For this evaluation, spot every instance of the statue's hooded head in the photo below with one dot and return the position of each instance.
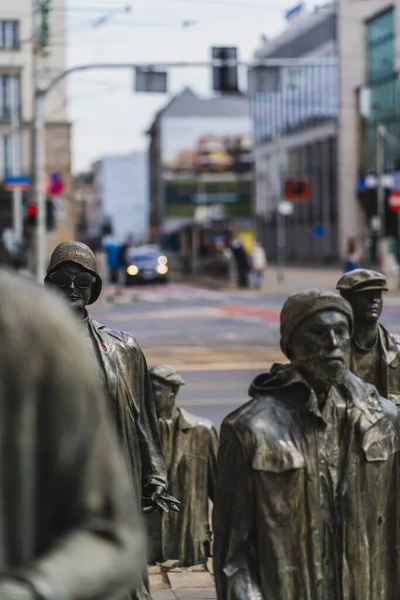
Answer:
(316, 328)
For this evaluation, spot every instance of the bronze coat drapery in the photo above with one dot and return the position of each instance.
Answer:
(269, 519)
(389, 348)
(131, 401)
(132, 404)
(186, 536)
(68, 523)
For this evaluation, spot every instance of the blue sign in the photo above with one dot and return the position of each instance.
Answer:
(294, 12)
(318, 231)
(22, 182)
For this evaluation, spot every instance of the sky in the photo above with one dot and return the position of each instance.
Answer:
(108, 116)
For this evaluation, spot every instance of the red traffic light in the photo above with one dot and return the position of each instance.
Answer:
(32, 210)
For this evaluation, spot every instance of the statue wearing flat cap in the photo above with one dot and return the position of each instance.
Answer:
(307, 496)
(374, 351)
(190, 447)
(122, 369)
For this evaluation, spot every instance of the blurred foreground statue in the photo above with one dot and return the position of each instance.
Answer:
(121, 367)
(374, 351)
(307, 497)
(69, 525)
(190, 447)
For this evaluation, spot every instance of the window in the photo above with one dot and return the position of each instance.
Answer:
(4, 156)
(380, 46)
(6, 94)
(9, 35)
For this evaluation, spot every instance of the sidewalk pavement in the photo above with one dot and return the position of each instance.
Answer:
(169, 583)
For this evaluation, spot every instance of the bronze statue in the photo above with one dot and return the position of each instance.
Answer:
(307, 497)
(190, 448)
(122, 369)
(69, 525)
(374, 351)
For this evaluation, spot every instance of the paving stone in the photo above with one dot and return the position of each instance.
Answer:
(189, 580)
(209, 594)
(170, 564)
(158, 582)
(163, 595)
(154, 570)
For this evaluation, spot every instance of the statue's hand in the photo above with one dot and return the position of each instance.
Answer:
(16, 590)
(155, 497)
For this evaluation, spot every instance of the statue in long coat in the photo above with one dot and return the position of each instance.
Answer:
(69, 525)
(122, 368)
(308, 495)
(190, 446)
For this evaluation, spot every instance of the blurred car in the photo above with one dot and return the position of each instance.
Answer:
(146, 264)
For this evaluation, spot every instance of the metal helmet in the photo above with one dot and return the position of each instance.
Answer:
(80, 254)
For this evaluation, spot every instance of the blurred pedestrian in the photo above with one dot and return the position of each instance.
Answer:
(69, 524)
(259, 264)
(113, 262)
(242, 262)
(353, 256)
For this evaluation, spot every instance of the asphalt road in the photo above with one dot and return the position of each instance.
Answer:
(219, 340)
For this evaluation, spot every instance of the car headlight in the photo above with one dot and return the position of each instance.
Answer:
(132, 270)
(162, 269)
(162, 260)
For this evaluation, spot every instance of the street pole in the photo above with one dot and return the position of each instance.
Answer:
(380, 190)
(281, 235)
(39, 178)
(16, 161)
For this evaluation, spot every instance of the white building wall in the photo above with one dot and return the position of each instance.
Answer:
(353, 15)
(123, 190)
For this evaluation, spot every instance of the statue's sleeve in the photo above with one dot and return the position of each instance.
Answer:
(212, 463)
(233, 522)
(154, 470)
(97, 551)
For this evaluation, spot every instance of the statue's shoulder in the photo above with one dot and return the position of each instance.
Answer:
(121, 339)
(193, 421)
(260, 414)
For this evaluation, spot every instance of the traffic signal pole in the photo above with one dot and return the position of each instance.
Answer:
(39, 158)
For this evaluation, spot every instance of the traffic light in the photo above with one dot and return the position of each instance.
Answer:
(50, 216)
(44, 26)
(297, 189)
(31, 220)
(225, 77)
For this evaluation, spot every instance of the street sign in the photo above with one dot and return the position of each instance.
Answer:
(55, 184)
(285, 208)
(18, 182)
(318, 231)
(394, 200)
(297, 189)
(150, 81)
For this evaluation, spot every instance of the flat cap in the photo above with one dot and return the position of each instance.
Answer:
(302, 305)
(167, 374)
(361, 280)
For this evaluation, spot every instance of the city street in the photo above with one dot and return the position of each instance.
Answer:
(218, 339)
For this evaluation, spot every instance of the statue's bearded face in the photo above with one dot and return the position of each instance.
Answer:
(320, 347)
(164, 396)
(75, 283)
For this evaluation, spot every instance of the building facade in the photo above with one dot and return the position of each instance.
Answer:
(200, 162)
(369, 45)
(16, 67)
(295, 116)
(121, 196)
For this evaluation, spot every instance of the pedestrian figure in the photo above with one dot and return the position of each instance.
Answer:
(374, 351)
(259, 264)
(352, 256)
(122, 369)
(69, 524)
(242, 262)
(308, 496)
(190, 447)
